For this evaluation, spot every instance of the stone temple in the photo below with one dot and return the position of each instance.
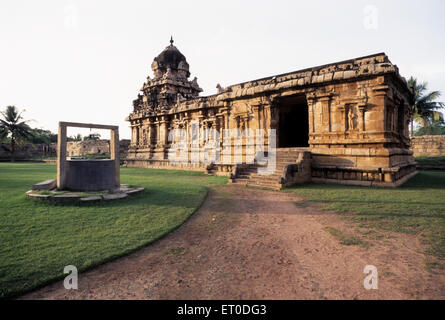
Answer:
(344, 122)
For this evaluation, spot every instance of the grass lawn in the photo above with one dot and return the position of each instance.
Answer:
(417, 207)
(38, 240)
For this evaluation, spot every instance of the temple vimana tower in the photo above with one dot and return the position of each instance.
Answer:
(344, 122)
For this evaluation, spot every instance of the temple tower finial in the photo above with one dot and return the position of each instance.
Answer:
(171, 40)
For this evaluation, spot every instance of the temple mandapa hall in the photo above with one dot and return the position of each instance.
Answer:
(344, 122)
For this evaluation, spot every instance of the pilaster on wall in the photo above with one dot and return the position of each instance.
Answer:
(320, 107)
(346, 113)
(325, 102)
(163, 131)
(151, 132)
(133, 133)
(376, 118)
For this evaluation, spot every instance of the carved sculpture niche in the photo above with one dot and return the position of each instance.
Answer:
(351, 118)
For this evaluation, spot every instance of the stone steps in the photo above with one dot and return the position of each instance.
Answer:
(248, 176)
(273, 186)
(250, 171)
(265, 176)
(274, 179)
(247, 183)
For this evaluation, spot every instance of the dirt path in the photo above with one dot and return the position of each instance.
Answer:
(257, 244)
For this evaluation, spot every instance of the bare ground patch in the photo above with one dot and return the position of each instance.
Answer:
(258, 244)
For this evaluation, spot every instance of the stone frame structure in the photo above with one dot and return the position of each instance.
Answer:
(357, 117)
(62, 151)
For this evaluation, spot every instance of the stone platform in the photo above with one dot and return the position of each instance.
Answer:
(55, 195)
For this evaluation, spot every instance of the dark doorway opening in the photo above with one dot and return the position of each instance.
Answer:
(293, 128)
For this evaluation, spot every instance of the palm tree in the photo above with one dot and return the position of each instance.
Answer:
(424, 109)
(13, 127)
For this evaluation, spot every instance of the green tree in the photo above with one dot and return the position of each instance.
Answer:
(437, 127)
(92, 136)
(41, 136)
(425, 110)
(13, 126)
(77, 137)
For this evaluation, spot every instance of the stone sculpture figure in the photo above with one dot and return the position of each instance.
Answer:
(352, 118)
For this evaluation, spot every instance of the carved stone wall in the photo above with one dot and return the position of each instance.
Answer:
(429, 146)
(357, 119)
(28, 150)
(81, 148)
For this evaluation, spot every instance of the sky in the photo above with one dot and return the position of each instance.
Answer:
(85, 61)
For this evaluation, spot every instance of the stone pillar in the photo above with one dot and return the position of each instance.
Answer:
(344, 117)
(375, 118)
(256, 125)
(133, 134)
(163, 134)
(201, 118)
(268, 124)
(114, 153)
(225, 141)
(187, 144)
(267, 118)
(310, 102)
(337, 121)
(361, 120)
(156, 132)
(61, 156)
(141, 133)
(151, 132)
(257, 116)
(137, 140)
(325, 108)
(318, 116)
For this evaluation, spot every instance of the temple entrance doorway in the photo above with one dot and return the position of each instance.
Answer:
(293, 122)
